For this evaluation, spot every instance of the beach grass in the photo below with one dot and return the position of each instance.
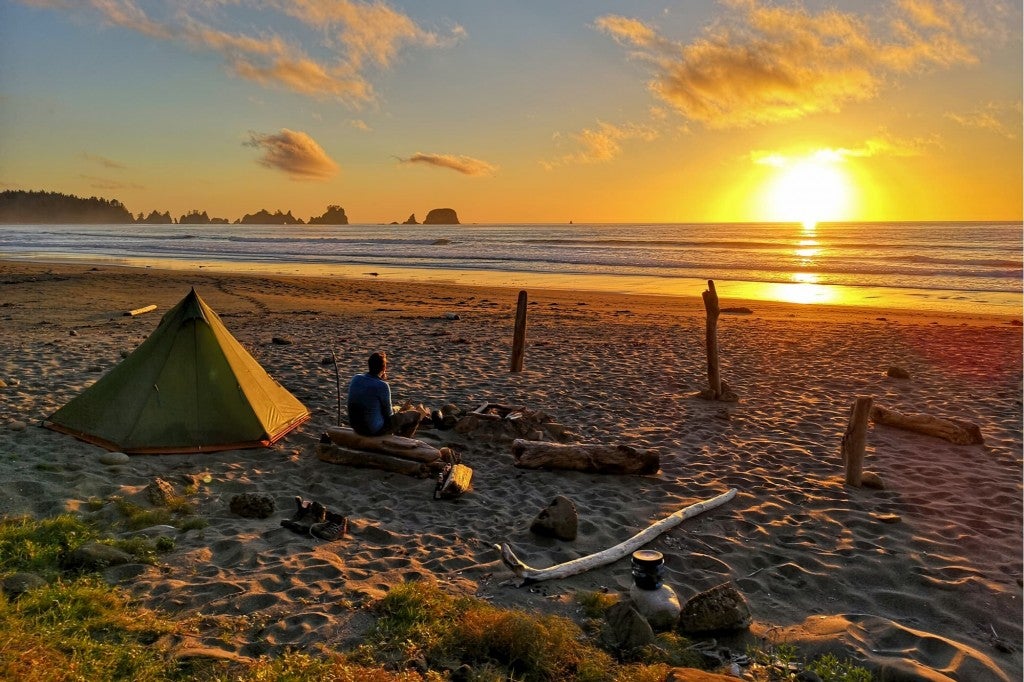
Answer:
(79, 627)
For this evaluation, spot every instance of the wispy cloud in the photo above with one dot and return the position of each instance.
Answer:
(357, 36)
(294, 153)
(1000, 119)
(880, 145)
(602, 143)
(466, 165)
(108, 184)
(761, 63)
(101, 161)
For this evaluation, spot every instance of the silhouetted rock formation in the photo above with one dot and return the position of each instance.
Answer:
(264, 217)
(411, 220)
(195, 217)
(155, 218)
(334, 215)
(441, 216)
(19, 206)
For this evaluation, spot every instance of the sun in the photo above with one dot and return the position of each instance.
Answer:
(810, 190)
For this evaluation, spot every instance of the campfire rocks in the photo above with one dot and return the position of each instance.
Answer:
(501, 422)
(720, 609)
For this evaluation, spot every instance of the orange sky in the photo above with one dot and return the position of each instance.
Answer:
(692, 111)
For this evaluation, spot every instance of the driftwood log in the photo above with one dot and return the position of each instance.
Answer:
(398, 446)
(717, 389)
(956, 431)
(519, 335)
(603, 459)
(854, 441)
(528, 574)
(140, 311)
(453, 481)
(336, 454)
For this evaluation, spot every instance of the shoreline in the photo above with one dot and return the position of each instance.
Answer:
(812, 556)
(871, 303)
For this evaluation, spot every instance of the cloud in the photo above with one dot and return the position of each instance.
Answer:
(356, 36)
(992, 117)
(294, 153)
(101, 160)
(882, 144)
(360, 124)
(601, 144)
(466, 165)
(108, 184)
(761, 63)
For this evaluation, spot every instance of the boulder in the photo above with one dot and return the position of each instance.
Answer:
(625, 629)
(94, 556)
(159, 493)
(441, 216)
(720, 609)
(253, 505)
(558, 520)
(17, 584)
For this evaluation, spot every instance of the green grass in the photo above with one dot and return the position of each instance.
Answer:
(79, 628)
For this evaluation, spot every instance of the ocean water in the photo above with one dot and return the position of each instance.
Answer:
(936, 266)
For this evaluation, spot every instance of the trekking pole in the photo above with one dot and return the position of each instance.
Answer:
(337, 382)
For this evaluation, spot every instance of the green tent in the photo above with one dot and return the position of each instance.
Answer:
(189, 387)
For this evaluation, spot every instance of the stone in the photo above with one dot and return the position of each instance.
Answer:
(95, 556)
(558, 520)
(253, 505)
(720, 609)
(870, 479)
(159, 492)
(625, 629)
(659, 606)
(281, 340)
(111, 458)
(897, 372)
(17, 425)
(696, 675)
(18, 584)
(3, 384)
(411, 220)
(441, 216)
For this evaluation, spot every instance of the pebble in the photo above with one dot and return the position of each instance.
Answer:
(3, 384)
(114, 458)
(17, 426)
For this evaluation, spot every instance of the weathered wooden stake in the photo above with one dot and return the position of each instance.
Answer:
(711, 339)
(854, 439)
(519, 336)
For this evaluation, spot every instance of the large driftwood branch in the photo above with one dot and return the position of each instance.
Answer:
(336, 454)
(399, 446)
(956, 431)
(529, 574)
(605, 459)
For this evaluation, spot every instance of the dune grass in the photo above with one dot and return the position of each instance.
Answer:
(77, 627)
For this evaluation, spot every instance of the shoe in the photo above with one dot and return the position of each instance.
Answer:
(333, 528)
(306, 514)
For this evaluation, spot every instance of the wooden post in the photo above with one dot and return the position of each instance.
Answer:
(519, 336)
(711, 339)
(854, 439)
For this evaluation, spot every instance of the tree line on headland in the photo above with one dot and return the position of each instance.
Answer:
(28, 207)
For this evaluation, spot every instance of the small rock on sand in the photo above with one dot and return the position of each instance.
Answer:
(17, 425)
(111, 458)
(897, 372)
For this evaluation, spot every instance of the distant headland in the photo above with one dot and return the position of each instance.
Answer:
(38, 207)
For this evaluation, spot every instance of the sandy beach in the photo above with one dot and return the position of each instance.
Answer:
(934, 595)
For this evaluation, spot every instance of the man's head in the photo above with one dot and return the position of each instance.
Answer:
(378, 363)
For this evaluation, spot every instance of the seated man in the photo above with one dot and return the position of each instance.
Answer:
(369, 403)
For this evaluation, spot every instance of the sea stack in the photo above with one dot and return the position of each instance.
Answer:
(441, 216)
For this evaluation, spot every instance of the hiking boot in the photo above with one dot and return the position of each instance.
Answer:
(333, 528)
(306, 514)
